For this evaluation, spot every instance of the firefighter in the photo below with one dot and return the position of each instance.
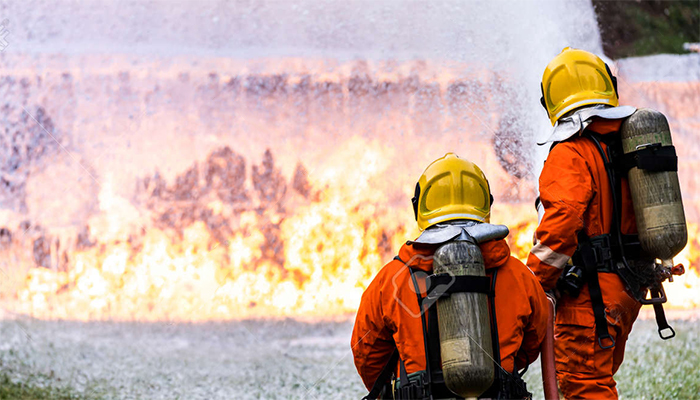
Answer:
(395, 337)
(586, 243)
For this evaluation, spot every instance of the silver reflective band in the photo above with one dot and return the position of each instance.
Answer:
(549, 256)
(579, 104)
(455, 216)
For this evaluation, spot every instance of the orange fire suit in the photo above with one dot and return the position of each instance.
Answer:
(575, 193)
(389, 310)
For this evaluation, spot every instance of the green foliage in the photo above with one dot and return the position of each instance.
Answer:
(25, 385)
(28, 391)
(636, 28)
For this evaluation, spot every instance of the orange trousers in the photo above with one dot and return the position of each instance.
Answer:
(584, 370)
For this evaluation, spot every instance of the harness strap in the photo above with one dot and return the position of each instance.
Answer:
(505, 385)
(403, 375)
(425, 326)
(431, 342)
(384, 376)
(661, 322)
(435, 359)
(591, 265)
(601, 323)
(496, 344)
(588, 257)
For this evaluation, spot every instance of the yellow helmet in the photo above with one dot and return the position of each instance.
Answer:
(576, 78)
(451, 188)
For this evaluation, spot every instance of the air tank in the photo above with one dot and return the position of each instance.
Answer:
(656, 195)
(464, 323)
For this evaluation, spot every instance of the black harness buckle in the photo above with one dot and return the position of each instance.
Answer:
(657, 295)
(602, 251)
(666, 337)
(606, 336)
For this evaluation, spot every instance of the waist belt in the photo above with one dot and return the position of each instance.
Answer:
(600, 252)
(415, 386)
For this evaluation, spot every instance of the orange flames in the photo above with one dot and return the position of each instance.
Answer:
(332, 248)
(211, 244)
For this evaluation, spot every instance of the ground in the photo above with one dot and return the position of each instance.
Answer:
(260, 359)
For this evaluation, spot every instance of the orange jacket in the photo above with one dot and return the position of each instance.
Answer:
(575, 194)
(389, 312)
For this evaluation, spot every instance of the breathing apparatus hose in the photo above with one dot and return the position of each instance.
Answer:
(549, 373)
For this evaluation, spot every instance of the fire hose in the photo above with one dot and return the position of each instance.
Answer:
(549, 373)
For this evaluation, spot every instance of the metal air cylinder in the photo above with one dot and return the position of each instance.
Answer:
(464, 323)
(656, 195)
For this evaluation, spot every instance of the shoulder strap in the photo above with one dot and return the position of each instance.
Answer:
(384, 376)
(495, 341)
(614, 181)
(434, 357)
(506, 385)
(429, 358)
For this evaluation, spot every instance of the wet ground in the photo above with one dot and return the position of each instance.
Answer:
(266, 359)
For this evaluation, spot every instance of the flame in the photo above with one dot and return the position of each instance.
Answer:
(684, 291)
(332, 249)
(310, 251)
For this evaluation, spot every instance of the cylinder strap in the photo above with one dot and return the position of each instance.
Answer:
(654, 158)
(442, 285)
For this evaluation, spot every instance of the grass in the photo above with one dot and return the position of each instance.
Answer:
(653, 369)
(273, 359)
(21, 379)
(30, 389)
(662, 369)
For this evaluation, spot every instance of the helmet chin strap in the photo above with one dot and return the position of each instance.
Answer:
(544, 105)
(414, 200)
(613, 78)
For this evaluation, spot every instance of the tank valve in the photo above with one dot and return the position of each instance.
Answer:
(678, 270)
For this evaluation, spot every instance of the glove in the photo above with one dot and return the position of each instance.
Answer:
(553, 295)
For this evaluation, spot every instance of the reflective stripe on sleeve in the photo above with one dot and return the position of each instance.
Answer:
(549, 256)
